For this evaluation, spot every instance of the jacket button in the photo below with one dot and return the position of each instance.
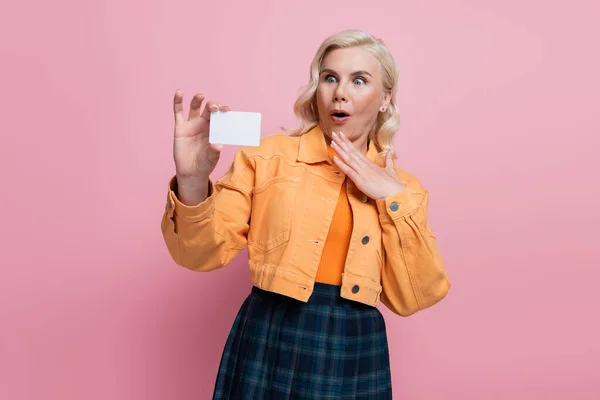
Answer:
(365, 240)
(355, 289)
(394, 206)
(364, 198)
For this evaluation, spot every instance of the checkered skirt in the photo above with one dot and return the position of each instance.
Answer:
(328, 348)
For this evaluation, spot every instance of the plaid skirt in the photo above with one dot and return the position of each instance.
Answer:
(328, 348)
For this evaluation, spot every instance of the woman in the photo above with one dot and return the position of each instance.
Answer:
(331, 225)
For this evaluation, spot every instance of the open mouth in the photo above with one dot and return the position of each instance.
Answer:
(339, 117)
(340, 114)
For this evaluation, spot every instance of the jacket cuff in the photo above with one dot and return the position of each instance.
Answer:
(397, 205)
(197, 212)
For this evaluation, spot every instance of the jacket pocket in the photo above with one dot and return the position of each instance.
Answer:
(271, 215)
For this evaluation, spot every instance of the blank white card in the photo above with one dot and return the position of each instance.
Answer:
(235, 127)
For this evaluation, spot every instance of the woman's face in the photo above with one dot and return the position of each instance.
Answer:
(350, 92)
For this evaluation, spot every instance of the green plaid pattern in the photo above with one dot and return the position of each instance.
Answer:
(328, 348)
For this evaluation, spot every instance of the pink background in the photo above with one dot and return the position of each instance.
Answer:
(500, 122)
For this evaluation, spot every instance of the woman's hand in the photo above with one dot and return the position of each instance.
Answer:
(194, 156)
(373, 180)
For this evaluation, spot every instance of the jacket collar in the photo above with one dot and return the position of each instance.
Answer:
(313, 149)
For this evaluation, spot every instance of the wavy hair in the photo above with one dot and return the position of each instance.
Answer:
(388, 121)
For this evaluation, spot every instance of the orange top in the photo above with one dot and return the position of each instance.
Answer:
(333, 258)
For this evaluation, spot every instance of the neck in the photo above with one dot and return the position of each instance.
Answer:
(362, 143)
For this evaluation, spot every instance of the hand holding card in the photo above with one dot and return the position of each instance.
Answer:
(195, 158)
(200, 137)
(235, 128)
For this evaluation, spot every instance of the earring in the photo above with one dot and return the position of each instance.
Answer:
(382, 109)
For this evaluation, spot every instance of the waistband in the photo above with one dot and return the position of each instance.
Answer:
(323, 294)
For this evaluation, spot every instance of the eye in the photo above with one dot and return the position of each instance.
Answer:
(360, 81)
(330, 79)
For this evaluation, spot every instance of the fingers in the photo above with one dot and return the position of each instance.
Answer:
(195, 106)
(211, 106)
(352, 155)
(344, 161)
(178, 106)
(341, 152)
(343, 142)
(346, 169)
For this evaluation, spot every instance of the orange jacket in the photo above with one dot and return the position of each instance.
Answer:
(278, 199)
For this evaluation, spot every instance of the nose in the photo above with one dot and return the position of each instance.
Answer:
(339, 95)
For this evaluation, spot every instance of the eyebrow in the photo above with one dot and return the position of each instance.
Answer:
(361, 72)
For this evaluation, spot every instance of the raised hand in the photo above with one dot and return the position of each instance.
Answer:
(194, 156)
(374, 181)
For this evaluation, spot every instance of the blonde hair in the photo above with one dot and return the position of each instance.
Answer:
(305, 107)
